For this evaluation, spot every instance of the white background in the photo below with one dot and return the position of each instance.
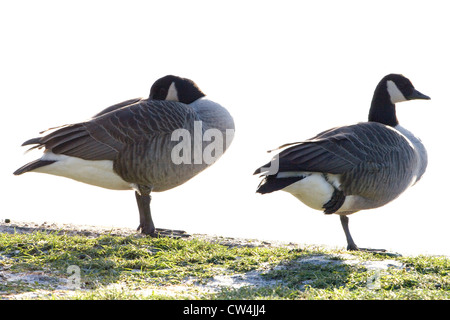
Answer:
(286, 70)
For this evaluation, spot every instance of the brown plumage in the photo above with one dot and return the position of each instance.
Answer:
(129, 145)
(350, 168)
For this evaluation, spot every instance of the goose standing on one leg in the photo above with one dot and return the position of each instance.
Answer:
(351, 168)
(145, 145)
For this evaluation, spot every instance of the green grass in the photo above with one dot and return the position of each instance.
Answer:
(136, 267)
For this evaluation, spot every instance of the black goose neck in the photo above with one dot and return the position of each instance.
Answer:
(382, 110)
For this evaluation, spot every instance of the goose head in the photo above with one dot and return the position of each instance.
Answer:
(392, 89)
(401, 89)
(174, 88)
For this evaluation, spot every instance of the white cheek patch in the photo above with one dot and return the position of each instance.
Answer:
(394, 92)
(172, 93)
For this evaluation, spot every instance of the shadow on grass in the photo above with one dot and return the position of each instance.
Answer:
(300, 271)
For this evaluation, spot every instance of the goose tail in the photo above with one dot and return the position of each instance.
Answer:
(32, 166)
(273, 183)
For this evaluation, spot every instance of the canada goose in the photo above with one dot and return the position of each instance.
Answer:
(356, 167)
(145, 145)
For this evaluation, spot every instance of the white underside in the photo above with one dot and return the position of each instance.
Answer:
(98, 173)
(315, 191)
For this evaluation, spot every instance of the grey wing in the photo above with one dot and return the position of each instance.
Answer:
(373, 160)
(104, 136)
(342, 149)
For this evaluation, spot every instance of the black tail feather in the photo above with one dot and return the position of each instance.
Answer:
(272, 183)
(262, 169)
(32, 141)
(336, 201)
(33, 165)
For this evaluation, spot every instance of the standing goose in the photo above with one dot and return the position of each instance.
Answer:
(138, 144)
(351, 168)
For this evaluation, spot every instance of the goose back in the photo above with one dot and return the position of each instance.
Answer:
(374, 162)
(137, 136)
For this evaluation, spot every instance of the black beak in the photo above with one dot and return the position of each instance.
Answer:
(417, 95)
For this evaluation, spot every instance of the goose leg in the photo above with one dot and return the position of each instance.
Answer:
(351, 245)
(146, 225)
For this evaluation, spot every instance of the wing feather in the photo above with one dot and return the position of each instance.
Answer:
(116, 127)
(340, 150)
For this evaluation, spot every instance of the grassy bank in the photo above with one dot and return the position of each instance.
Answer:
(49, 262)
